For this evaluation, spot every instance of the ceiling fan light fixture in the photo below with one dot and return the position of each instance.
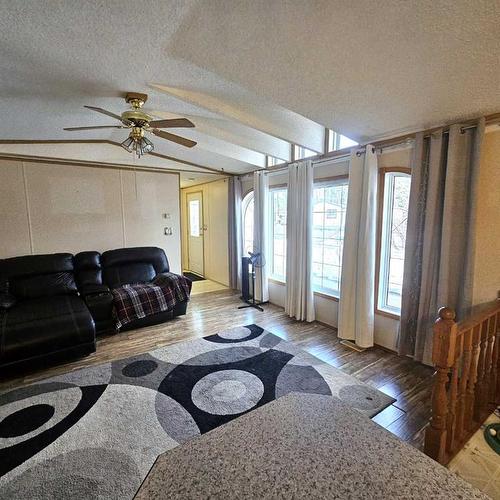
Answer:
(138, 145)
(139, 123)
(146, 146)
(128, 144)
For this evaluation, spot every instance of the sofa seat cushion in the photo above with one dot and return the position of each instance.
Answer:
(43, 325)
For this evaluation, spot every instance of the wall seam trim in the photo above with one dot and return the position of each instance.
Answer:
(28, 211)
(122, 210)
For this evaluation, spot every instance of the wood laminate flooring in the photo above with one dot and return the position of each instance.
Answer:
(407, 381)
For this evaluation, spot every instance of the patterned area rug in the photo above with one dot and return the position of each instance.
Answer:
(96, 432)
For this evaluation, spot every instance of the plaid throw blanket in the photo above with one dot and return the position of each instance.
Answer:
(132, 302)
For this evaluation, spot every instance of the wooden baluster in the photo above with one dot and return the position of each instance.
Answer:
(488, 375)
(471, 384)
(497, 360)
(452, 407)
(443, 357)
(466, 347)
(463, 375)
(493, 399)
(481, 370)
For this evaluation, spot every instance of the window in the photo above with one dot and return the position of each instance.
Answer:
(392, 234)
(338, 141)
(247, 210)
(271, 161)
(299, 153)
(194, 218)
(329, 212)
(277, 266)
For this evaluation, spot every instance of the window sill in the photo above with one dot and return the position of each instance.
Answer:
(326, 296)
(278, 281)
(387, 314)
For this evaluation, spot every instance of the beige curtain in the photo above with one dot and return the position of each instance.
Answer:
(440, 234)
(299, 302)
(357, 299)
(235, 232)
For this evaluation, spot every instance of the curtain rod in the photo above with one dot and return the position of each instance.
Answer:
(383, 143)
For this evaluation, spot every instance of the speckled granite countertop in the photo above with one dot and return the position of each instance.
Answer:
(301, 446)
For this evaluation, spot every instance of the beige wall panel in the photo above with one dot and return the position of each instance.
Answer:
(217, 260)
(146, 197)
(487, 244)
(14, 228)
(74, 208)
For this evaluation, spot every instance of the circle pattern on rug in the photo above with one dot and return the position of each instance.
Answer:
(238, 333)
(140, 368)
(235, 335)
(227, 392)
(26, 420)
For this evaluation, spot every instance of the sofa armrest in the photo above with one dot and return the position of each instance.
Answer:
(89, 290)
(186, 283)
(167, 274)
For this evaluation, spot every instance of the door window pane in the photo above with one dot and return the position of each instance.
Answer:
(194, 218)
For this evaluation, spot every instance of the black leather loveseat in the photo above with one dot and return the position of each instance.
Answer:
(41, 312)
(97, 274)
(52, 306)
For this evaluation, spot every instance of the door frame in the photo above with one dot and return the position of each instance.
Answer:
(202, 225)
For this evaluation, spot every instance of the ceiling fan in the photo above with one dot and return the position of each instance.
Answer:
(139, 123)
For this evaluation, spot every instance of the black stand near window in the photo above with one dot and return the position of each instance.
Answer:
(249, 265)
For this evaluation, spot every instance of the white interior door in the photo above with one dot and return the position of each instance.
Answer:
(195, 232)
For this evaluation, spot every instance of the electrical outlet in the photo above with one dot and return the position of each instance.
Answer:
(167, 231)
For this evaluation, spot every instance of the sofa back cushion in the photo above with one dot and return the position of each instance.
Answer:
(33, 276)
(132, 265)
(88, 270)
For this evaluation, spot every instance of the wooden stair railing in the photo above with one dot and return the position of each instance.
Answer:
(466, 389)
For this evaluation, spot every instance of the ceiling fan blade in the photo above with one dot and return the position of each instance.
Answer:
(172, 123)
(174, 138)
(92, 128)
(108, 113)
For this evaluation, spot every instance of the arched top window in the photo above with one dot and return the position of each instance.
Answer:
(247, 211)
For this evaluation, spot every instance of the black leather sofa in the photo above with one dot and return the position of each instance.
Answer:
(41, 313)
(97, 274)
(52, 306)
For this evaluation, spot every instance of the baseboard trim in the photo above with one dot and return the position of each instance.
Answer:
(352, 345)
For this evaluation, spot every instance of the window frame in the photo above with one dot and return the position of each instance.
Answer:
(273, 161)
(380, 220)
(270, 256)
(336, 138)
(329, 181)
(296, 148)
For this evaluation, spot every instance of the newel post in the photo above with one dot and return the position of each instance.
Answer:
(443, 357)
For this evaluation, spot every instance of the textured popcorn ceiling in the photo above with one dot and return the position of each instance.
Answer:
(366, 68)
(255, 73)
